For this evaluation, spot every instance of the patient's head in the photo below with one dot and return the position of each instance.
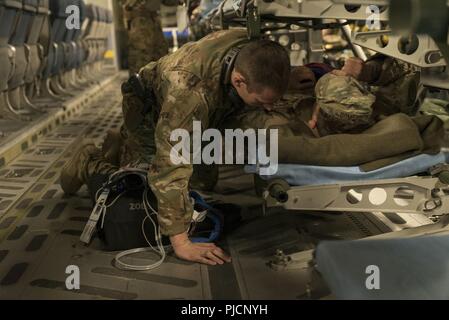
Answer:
(301, 79)
(343, 105)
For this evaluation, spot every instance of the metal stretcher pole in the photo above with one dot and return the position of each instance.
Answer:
(346, 30)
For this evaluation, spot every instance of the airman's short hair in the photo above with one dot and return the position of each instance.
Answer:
(264, 63)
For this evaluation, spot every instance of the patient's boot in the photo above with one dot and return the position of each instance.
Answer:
(87, 161)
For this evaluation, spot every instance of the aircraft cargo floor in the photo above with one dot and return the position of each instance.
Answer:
(40, 226)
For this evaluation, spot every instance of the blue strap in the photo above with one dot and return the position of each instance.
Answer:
(211, 214)
(215, 234)
(200, 201)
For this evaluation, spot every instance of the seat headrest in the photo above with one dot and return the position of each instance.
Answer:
(102, 15)
(15, 4)
(30, 5)
(110, 16)
(82, 6)
(58, 8)
(97, 13)
(43, 7)
(90, 11)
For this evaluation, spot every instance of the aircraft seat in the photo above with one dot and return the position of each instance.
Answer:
(39, 44)
(59, 31)
(10, 12)
(78, 58)
(26, 55)
(72, 50)
(18, 39)
(34, 48)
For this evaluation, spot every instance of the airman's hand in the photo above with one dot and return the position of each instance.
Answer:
(206, 253)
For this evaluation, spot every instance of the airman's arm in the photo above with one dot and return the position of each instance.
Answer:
(169, 181)
(184, 103)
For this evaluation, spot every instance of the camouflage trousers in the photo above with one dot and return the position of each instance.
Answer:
(146, 42)
(132, 149)
(124, 148)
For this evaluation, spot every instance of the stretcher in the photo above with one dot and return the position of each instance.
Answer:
(398, 267)
(415, 185)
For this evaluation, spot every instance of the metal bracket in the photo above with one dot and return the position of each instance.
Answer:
(420, 50)
(299, 260)
(441, 171)
(253, 23)
(320, 9)
(425, 195)
(303, 10)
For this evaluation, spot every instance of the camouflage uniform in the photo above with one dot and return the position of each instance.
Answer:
(199, 25)
(187, 87)
(349, 106)
(389, 86)
(396, 87)
(345, 105)
(146, 39)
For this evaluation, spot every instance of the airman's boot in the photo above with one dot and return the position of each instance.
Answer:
(74, 173)
(112, 146)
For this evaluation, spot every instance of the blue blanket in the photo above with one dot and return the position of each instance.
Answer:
(300, 175)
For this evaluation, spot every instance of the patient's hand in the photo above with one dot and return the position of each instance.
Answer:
(314, 121)
(353, 67)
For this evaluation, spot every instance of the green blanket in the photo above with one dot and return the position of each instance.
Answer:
(391, 140)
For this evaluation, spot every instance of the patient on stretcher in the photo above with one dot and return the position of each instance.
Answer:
(363, 115)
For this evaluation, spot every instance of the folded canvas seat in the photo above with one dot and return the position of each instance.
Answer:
(401, 268)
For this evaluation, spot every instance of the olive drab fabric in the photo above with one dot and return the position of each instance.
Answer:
(146, 40)
(393, 139)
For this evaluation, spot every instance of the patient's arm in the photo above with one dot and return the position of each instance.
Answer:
(379, 70)
(396, 87)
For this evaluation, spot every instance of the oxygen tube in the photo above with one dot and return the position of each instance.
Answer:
(101, 207)
(160, 249)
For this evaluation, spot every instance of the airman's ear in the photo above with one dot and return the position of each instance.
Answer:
(237, 79)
